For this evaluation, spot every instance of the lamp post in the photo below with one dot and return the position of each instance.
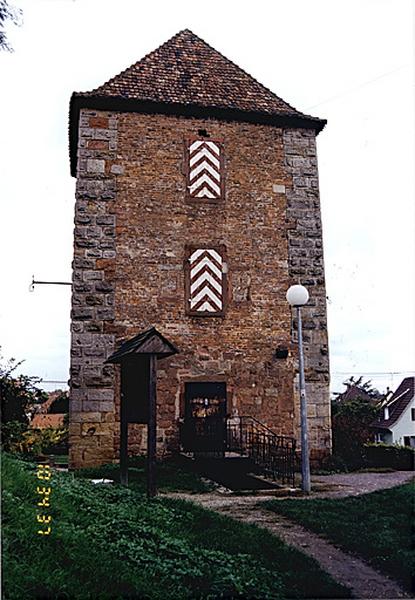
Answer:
(297, 296)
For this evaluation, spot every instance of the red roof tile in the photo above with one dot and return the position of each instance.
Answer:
(42, 421)
(354, 392)
(186, 72)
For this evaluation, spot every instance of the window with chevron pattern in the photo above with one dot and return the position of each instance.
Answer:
(205, 280)
(204, 169)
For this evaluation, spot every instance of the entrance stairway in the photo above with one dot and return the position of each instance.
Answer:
(231, 448)
(272, 454)
(234, 472)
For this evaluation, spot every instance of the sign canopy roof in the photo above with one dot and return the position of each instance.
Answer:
(145, 343)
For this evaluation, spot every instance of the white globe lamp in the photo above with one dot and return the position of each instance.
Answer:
(297, 295)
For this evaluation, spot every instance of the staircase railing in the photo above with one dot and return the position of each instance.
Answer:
(273, 454)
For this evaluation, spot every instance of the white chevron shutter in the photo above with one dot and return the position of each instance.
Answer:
(204, 169)
(206, 281)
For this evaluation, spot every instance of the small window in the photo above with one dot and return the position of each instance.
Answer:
(205, 281)
(413, 414)
(204, 167)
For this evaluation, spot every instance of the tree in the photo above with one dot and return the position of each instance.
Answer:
(60, 404)
(18, 394)
(8, 12)
(353, 411)
(357, 388)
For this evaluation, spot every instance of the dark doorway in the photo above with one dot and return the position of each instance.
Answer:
(204, 428)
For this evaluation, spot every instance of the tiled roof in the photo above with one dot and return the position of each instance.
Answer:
(42, 421)
(354, 392)
(184, 73)
(186, 70)
(148, 342)
(398, 403)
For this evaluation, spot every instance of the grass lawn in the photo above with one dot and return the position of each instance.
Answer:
(172, 475)
(375, 526)
(110, 542)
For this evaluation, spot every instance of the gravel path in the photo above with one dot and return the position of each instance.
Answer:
(353, 484)
(363, 581)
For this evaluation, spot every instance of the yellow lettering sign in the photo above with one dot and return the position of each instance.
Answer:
(44, 472)
(44, 519)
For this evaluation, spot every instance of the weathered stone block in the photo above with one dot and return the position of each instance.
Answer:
(95, 166)
(93, 300)
(106, 406)
(90, 406)
(105, 314)
(117, 169)
(81, 313)
(90, 417)
(106, 220)
(92, 275)
(101, 395)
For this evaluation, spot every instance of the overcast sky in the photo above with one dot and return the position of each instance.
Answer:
(349, 61)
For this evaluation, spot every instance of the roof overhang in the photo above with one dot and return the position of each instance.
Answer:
(380, 426)
(121, 104)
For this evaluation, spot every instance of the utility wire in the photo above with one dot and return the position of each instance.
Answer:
(332, 372)
(371, 372)
(357, 87)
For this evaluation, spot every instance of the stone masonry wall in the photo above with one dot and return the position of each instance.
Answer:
(306, 265)
(92, 406)
(131, 227)
(154, 223)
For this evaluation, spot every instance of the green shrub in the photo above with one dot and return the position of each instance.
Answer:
(401, 458)
(12, 435)
(34, 442)
(351, 421)
(18, 395)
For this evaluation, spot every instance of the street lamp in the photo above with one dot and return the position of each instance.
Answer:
(297, 296)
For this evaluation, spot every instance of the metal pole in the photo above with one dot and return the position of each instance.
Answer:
(305, 460)
(123, 442)
(151, 429)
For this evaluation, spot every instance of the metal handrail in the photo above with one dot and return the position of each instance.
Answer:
(261, 425)
(273, 453)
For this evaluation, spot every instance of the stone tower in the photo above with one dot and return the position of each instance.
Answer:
(197, 205)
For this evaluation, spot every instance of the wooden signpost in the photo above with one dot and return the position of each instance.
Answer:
(138, 360)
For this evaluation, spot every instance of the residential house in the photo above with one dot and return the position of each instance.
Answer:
(397, 422)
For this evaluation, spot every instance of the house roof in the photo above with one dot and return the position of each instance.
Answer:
(354, 392)
(397, 403)
(47, 404)
(42, 421)
(187, 76)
